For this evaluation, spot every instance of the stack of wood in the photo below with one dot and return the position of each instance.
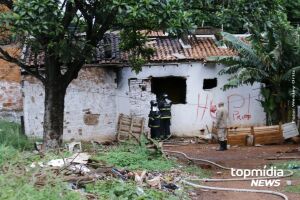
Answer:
(130, 127)
(238, 136)
(268, 135)
(255, 135)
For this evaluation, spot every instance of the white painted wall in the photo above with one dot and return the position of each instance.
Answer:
(189, 118)
(93, 91)
(96, 92)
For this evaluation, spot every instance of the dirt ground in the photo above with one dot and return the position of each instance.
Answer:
(238, 157)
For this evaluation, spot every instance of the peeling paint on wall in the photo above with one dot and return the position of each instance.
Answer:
(94, 100)
(91, 119)
(140, 96)
(11, 103)
(190, 117)
(90, 106)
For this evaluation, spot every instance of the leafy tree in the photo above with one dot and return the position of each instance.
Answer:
(233, 16)
(292, 9)
(269, 58)
(67, 33)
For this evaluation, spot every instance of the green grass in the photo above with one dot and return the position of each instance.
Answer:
(7, 153)
(288, 165)
(10, 135)
(293, 188)
(118, 190)
(17, 179)
(21, 187)
(195, 170)
(132, 156)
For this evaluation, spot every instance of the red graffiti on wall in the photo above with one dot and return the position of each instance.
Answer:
(236, 104)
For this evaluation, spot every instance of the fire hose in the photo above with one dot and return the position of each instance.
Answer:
(188, 181)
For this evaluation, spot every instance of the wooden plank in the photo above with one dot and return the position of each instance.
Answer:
(267, 133)
(244, 131)
(128, 123)
(252, 130)
(261, 135)
(237, 140)
(136, 130)
(274, 140)
(118, 133)
(238, 134)
(267, 127)
(129, 127)
(237, 137)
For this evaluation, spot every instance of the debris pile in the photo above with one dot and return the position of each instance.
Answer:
(81, 168)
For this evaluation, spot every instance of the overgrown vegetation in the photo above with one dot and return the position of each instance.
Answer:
(21, 186)
(26, 183)
(272, 59)
(10, 135)
(290, 165)
(295, 167)
(7, 153)
(17, 179)
(293, 188)
(115, 189)
(134, 157)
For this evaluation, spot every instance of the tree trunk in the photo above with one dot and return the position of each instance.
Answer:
(54, 116)
(55, 90)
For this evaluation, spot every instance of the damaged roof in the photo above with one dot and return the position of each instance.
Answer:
(166, 49)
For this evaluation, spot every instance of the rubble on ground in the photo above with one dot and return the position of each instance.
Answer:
(80, 169)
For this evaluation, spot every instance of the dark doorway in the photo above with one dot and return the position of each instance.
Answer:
(210, 83)
(174, 86)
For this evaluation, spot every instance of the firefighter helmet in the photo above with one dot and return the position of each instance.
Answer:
(153, 103)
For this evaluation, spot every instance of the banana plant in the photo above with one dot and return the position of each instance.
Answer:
(270, 57)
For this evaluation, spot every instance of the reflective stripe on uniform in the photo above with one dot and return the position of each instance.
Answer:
(154, 126)
(166, 117)
(165, 109)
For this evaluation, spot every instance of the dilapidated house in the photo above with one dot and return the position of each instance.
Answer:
(108, 87)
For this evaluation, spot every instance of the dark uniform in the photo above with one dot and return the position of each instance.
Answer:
(165, 110)
(154, 120)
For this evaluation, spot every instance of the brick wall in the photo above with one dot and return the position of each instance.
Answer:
(11, 103)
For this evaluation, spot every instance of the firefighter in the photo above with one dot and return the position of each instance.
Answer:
(164, 106)
(221, 125)
(154, 120)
